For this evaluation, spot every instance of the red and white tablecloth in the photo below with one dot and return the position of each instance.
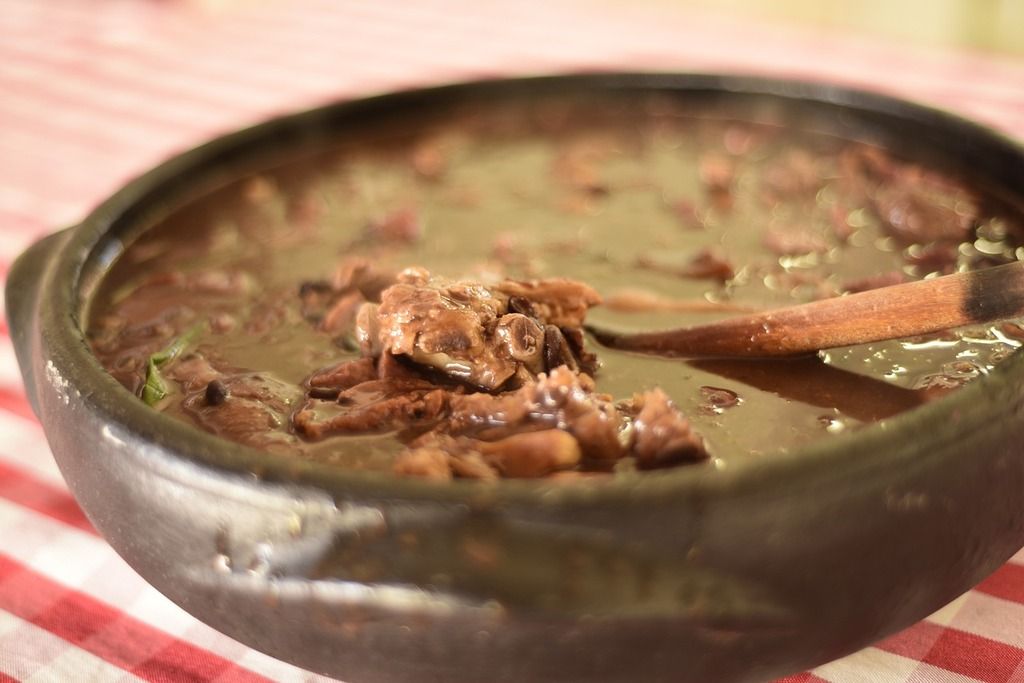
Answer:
(93, 92)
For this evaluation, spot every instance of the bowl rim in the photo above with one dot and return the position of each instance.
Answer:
(90, 248)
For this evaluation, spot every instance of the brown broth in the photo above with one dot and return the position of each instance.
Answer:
(619, 196)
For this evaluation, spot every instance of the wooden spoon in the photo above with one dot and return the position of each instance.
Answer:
(904, 310)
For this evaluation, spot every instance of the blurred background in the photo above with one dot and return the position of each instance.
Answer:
(94, 92)
(988, 25)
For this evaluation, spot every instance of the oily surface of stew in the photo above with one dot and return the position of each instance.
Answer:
(410, 298)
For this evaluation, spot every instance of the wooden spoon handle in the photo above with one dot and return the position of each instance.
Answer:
(905, 310)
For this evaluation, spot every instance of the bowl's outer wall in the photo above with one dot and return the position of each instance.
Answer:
(757, 575)
(23, 284)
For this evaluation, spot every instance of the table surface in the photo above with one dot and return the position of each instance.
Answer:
(93, 93)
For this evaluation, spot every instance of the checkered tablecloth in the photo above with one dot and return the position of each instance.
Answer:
(93, 92)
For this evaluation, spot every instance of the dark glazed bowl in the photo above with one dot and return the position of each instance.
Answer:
(764, 568)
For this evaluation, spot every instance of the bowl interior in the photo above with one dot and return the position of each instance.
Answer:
(526, 190)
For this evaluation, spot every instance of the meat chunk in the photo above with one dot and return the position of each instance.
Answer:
(556, 350)
(446, 326)
(557, 301)
(371, 407)
(560, 399)
(486, 381)
(717, 172)
(661, 435)
(271, 311)
(471, 332)
(340, 318)
(193, 372)
(556, 423)
(587, 361)
(334, 305)
(362, 275)
(344, 375)
(522, 338)
(579, 167)
(249, 408)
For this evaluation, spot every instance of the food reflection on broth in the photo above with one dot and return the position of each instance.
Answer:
(410, 298)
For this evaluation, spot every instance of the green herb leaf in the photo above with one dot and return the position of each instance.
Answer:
(155, 388)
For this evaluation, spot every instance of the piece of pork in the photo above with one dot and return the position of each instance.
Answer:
(247, 407)
(372, 407)
(556, 301)
(661, 434)
(556, 423)
(561, 399)
(333, 305)
(481, 335)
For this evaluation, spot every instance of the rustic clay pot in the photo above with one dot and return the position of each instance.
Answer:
(698, 574)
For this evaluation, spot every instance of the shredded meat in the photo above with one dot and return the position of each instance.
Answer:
(125, 348)
(485, 382)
